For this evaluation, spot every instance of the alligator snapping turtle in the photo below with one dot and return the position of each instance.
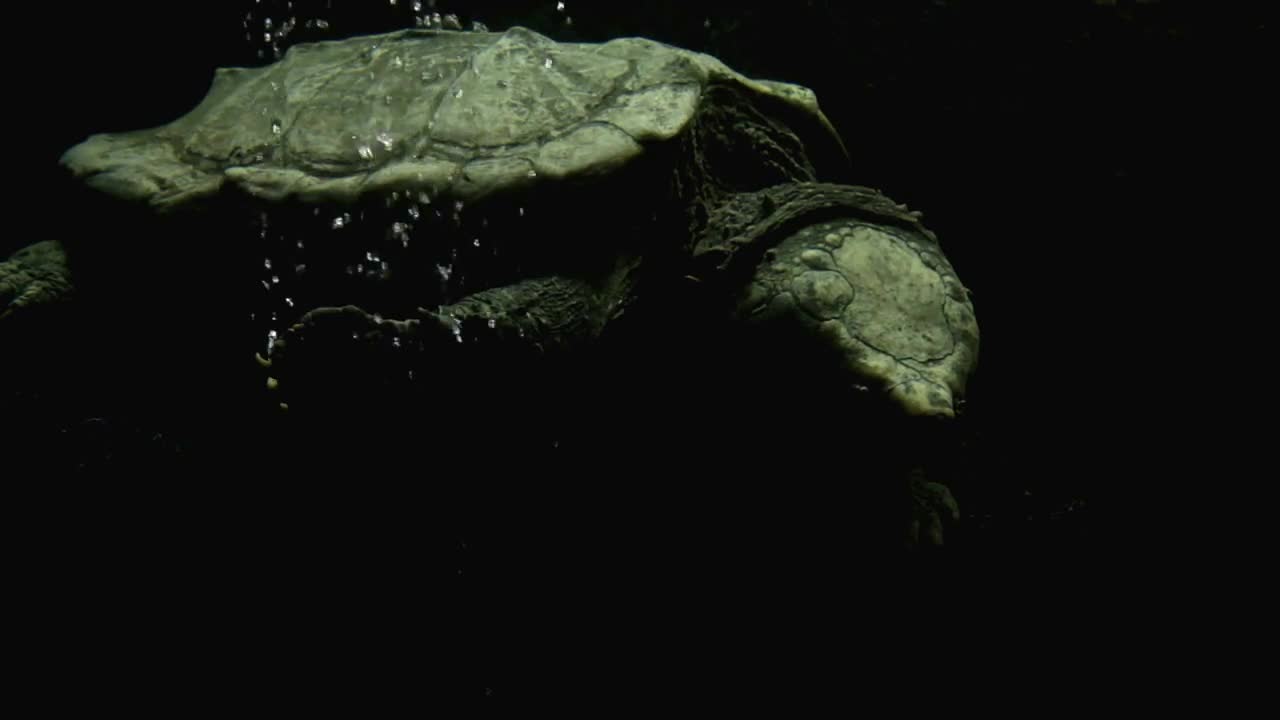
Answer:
(644, 169)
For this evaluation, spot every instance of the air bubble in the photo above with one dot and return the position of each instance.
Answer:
(414, 212)
(492, 323)
(395, 342)
(267, 263)
(276, 129)
(339, 223)
(288, 301)
(458, 93)
(366, 152)
(476, 242)
(275, 279)
(547, 63)
(385, 137)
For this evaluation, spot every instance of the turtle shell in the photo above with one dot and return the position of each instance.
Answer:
(455, 113)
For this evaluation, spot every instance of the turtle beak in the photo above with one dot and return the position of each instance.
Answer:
(921, 398)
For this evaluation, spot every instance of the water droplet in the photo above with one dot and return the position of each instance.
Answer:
(417, 5)
(377, 319)
(266, 37)
(445, 271)
(300, 268)
(387, 99)
(275, 279)
(267, 23)
(395, 341)
(414, 212)
(457, 206)
(492, 323)
(458, 93)
(476, 242)
(547, 63)
(267, 263)
(338, 223)
(366, 152)
(397, 62)
(289, 302)
(276, 129)
(533, 173)
(266, 285)
(384, 137)
(360, 268)
(560, 6)
(300, 244)
(521, 212)
(370, 257)
(424, 199)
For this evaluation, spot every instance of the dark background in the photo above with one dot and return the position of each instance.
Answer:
(1062, 151)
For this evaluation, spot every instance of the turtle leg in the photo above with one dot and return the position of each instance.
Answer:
(534, 317)
(34, 277)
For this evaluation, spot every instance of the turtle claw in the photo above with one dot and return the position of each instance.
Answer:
(932, 509)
